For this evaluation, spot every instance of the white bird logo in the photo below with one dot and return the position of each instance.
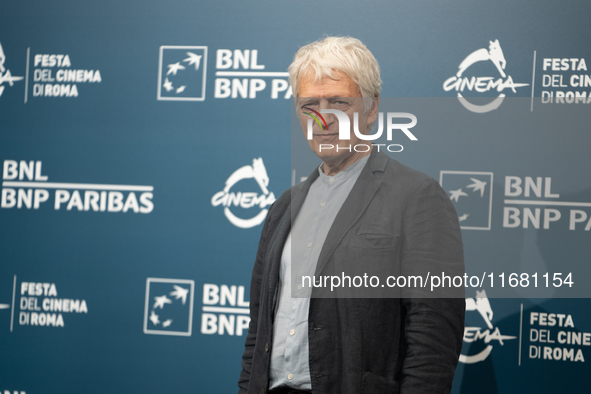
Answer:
(477, 185)
(180, 292)
(193, 59)
(154, 318)
(173, 68)
(456, 194)
(167, 85)
(160, 301)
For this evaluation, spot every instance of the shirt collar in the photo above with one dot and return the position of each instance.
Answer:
(351, 171)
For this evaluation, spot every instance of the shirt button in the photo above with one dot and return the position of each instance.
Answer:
(290, 376)
(299, 287)
(309, 244)
(332, 179)
(292, 331)
(322, 204)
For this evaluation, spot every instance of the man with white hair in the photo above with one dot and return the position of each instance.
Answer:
(358, 211)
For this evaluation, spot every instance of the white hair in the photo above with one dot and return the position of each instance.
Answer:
(345, 54)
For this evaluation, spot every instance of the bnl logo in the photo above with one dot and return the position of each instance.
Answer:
(471, 194)
(169, 306)
(181, 73)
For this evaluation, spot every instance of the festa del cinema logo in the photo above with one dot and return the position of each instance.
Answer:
(244, 201)
(38, 304)
(475, 334)
(345, 129)
(182, 75)
(483, 84)
(168, 308)
(51, 75)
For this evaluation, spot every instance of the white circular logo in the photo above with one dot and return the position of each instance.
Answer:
(491, 333)
(246, 200)
(494, 53)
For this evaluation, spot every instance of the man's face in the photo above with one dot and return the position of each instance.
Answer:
(341, 94)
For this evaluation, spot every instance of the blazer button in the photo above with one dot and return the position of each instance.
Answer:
(266, 349)
(262, 391)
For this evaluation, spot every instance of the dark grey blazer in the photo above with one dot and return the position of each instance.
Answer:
(394, 217)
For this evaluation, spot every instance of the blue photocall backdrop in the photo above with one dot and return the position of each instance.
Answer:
(142, 143)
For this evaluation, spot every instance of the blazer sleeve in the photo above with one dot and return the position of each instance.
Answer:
(434, 322)
(255, 292)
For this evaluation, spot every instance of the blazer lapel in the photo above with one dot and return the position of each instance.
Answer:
(297, 198)
(359, 198)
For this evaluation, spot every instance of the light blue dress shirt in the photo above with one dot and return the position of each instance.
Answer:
(290, 353)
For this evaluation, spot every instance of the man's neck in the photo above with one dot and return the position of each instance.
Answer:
(333, 169)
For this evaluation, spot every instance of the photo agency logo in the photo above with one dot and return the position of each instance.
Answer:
(169, 306)
(345, 129)
(245, 200)
(181, 73)
(482, 84)
(481, 339)
(6, 77)
(471, 194)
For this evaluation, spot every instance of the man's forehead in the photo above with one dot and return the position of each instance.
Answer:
(338, 84)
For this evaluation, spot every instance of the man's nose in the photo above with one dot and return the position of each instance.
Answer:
(329, 118)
